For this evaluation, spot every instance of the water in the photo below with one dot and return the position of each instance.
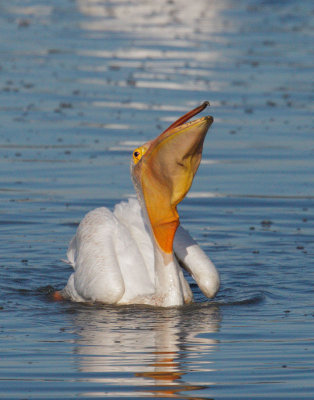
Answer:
(82, 83)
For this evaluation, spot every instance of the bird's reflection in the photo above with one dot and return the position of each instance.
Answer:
(141, 349)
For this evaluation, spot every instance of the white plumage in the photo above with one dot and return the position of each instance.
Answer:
(113, 258)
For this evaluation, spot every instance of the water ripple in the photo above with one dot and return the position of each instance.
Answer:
(82, 84)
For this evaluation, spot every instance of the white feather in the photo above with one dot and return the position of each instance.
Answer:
(196, 262)
(112, 255)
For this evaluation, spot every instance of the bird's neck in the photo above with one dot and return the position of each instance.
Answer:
(168, 278)
(170, 286)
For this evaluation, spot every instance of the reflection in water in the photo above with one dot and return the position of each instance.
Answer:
(140, 349)
(163, 18)
(163, 52)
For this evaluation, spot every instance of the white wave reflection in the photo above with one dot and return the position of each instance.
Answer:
(195, 86)
(149, 53)
(204, 195)
(107, 126)
(210, 162)
(159, 18)
(172, 46)
(139, 106)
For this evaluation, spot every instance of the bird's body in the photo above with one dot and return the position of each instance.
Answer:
(135, 254)
(112, 255)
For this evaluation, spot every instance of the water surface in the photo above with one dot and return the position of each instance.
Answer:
(82, 83)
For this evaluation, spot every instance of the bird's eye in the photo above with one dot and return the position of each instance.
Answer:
(137, 154)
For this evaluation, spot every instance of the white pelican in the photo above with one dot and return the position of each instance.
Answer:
(134, 254)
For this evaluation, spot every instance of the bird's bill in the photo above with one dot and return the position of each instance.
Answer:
(166, 171)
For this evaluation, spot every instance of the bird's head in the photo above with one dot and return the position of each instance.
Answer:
(163, 170)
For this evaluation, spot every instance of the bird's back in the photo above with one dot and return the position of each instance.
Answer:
(112, 255)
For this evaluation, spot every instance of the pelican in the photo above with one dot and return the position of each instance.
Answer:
(135, 254)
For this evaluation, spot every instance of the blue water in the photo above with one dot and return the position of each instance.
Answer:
(82, 83)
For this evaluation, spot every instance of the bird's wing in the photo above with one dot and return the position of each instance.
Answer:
(110, 254)
(92, 253)
(196, 262)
